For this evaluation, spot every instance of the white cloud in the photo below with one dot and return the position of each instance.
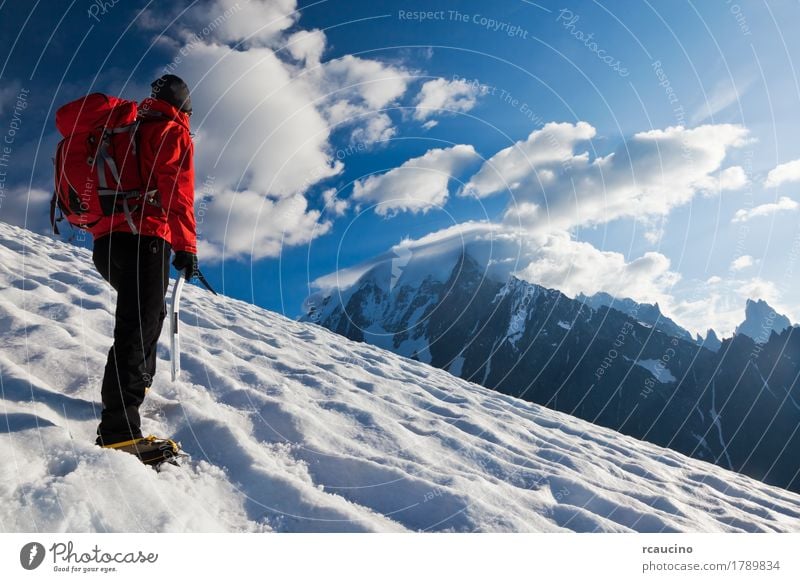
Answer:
(522, 214)
(244, 224)
(440, 96)
(647, 176)
(788, 172)
(245, 23)
(257, 127)
(732, 178)
(575, 267)
(374, 128)
(418, 184)
(333, 204)
(654, 234)
(355, 92)
(741, 263)
(554, 183)
(251, 22)
(508, 168)
(757, 288)
(784, 203)
(371, 82)
(720, 303)
(307, 46)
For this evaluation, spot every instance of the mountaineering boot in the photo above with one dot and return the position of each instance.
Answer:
(150, 450)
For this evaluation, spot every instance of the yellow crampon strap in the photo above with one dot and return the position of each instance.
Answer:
(151, 438)
(124, 443)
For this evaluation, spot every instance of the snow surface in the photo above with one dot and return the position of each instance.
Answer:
(293, 428)
(658, 369)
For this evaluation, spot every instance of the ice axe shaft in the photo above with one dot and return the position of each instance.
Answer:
(174, 312)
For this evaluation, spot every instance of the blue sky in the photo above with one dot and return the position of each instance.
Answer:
(303, 112)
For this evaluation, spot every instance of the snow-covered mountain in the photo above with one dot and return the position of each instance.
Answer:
(732, 403)
(646, 313)
(711, 341)
(293, 428)
(761, 321)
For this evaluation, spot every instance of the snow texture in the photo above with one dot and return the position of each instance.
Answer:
(293, 428)
(658, 369)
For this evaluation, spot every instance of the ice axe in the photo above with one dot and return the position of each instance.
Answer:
(174, 312)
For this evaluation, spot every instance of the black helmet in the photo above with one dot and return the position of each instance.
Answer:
(173, 90)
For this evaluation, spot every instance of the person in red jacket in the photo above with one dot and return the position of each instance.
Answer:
(132, 253)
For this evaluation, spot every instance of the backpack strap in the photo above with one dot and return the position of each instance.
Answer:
(105, 159)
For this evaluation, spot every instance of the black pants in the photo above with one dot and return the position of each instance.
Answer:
(138, 268)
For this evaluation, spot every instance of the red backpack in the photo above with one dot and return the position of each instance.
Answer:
(97, 170)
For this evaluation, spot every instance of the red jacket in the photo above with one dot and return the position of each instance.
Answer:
(166, 160)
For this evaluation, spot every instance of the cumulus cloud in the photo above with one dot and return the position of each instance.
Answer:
(373, 128)
(788, 172)
(333, 204)
(647, 176)
(418, 184)
(743, 262)
(784, 204)
(757, 288)
(723, 302)
(732, 178)
(576, 267)
(522, 214)
(374, 83)
(716, 303)
(307, 46)
(509, 168)
(555, 185)
(235, 92)
(440, 96)
(266, 109)
(355, 92)
(246, 23)
(248, 224)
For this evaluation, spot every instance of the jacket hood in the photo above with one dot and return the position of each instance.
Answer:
(165, 109)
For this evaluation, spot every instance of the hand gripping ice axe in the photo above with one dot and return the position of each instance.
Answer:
(174, 313)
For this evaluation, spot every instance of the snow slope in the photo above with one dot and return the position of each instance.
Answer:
(293, 428)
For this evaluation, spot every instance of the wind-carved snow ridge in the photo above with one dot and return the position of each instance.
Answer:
(293, 428)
